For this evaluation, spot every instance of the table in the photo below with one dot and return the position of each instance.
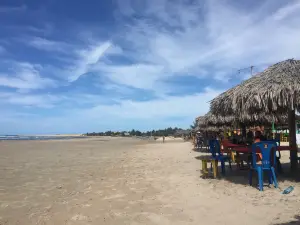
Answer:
(234, 145)
(228, 148)
(249, 149)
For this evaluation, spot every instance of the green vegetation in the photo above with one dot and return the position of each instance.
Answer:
(163, 132)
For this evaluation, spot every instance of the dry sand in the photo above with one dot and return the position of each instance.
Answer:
(127, 181)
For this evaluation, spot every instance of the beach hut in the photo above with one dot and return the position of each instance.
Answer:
(274, 91)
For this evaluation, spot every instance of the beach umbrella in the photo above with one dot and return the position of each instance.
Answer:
(274, 91)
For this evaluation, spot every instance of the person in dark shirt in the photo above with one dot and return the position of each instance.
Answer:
(234, 138)
(259, 137)
(249, 137)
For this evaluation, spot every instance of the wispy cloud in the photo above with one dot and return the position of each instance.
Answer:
(153, 48)
(45, 29)
(66, 101)
(10, 9)
(122, 115)
(291, 8)
(175, 39)
(211, 39)
(25, 76)
(87, 58)
(80, 59)
(159, 108)
(48, 45)
(29, 100)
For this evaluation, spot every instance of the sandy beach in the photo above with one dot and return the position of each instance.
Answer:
(129, 181)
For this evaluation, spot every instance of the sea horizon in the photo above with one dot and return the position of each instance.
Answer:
(39, 137)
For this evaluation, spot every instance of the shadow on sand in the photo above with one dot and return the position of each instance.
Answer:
(239, 176)
(295, 221)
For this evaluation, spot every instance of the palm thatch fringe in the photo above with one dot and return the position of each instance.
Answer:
(200, 120)
(212, 119)
(274, 91)
(262, 118)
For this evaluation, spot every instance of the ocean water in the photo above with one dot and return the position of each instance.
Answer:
(30, 137)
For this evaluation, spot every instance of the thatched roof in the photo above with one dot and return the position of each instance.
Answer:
(200, 121)
(275, 90)
(262, 118)
(217, 128)
(212, 120)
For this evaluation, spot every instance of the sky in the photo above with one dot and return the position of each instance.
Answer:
(83, 66)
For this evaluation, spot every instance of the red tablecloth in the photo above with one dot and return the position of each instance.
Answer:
(229, 145)
(248, 149)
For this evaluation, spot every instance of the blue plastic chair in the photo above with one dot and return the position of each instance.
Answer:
(278, 156)
(215, 150)
(268, 150)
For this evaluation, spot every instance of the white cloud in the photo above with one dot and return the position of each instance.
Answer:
(217, 36)
(48, 45)
(131, 75)
(124, 115)
(169, 106)
(87, 57)
(63, 101)
(25, 76)
(290, 8)
(28, 100)
(203, 39)
(45, 29)
(207, 39)
(92, 54)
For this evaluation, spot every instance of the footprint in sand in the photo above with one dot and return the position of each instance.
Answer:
(157, 219)
(79, 217)
(114, 196)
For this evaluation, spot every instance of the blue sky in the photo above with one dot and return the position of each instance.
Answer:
(77, 66)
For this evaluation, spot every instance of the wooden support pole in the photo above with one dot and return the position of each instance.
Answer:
(244, 131)
(293, 140)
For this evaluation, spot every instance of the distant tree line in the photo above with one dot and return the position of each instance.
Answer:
(162, 132)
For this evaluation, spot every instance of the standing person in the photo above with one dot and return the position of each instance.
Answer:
(163, 139)
(221, 134)
(234, 137)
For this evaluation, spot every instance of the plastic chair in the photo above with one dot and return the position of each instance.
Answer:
(215, 150)
(268, 150)
(278, 156)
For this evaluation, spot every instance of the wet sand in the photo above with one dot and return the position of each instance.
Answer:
(128, 181)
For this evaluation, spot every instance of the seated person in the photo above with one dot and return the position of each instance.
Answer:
(258, 138)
